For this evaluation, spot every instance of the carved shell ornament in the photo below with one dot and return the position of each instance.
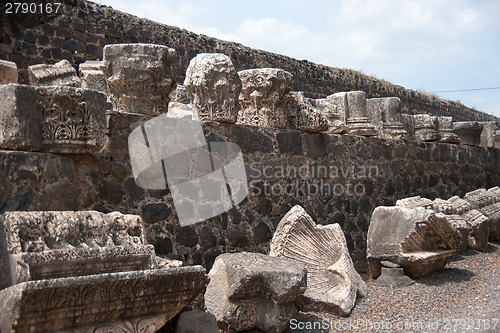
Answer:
(332, 281)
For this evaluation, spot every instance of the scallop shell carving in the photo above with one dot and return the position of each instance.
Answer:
(332, 281)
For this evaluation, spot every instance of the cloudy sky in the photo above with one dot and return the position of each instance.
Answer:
(425, 45)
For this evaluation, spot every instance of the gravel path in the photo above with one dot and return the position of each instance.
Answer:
(463, 297)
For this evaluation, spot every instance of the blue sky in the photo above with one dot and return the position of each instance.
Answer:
(425, 45)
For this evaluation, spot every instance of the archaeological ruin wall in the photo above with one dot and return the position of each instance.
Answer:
(81, 29)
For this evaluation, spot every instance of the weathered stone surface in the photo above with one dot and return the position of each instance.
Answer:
(303, 113)
(358, 121)
(19, 125)
(479, 230)
(393, 277)
(487, 137)
(60, 262)
(73, 120)
(445, 129)
(124, 299)
(332, 281)
(92, 76)
(8, 72)
(385, 115)
(263, 97)
(493, 213)
(469, 132)
(418, 240)
(139, 76)
(494, 192)
(251, 290)
(414, 202)
(214, 87)
(425, 127)
(454, 205)
(179, 95)
(496, 140)
(196, 321)
(59, 74)
(479, 198)
(334, 108)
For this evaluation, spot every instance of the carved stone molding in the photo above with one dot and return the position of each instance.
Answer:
(139, 76)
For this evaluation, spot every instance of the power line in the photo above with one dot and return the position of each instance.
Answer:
(447, 91)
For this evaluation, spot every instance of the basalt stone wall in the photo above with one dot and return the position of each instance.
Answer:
(80, 29)
(336, 178)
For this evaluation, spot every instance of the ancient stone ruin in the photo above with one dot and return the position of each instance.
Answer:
(89, 271)
(332, 282)
(92, 237)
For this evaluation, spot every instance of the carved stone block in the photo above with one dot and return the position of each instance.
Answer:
(59, 74)
(139, 76)
(251, 290)
(100, 302)
(385, 115)
(92, 76)
(480, 198)
(414, 202)
(454, 205)
(469, 132)
(8, 72)
(263, 97)
(90, 271)
(493, 213)
(19, 124)
(418, 240)
(332, 282)
(358, 121)
(445, 129)
(408, 124)
(496, 140)
(335, 111)
(214, 87)
(425, 127)
(73, 120)
(479, 230)
(181, 111)
(487, 137)
(179, 95)
(303, 113)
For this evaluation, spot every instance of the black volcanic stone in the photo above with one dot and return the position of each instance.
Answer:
(262, 233)
(290, 142)
(155, 212)
(186, 236)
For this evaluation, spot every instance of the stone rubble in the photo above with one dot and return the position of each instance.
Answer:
(8, 72)
(61, 262)
(332, 282)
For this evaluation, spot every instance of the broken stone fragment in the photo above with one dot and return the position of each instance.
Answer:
(92, 76)
(303, 113)
(263, 97)
(445, 129)
(19, 126)
(214, 87)
(479, 198)
(332, 281)
(414, 202)
(478, 224)
(251, 290)
(487, 137)
(179, 95)
(417, 239)
(454, 205)
(140, 76)
(493, 213)
(61, 262)
(425, 127)
(181, 111)
(334, 108)
(385, 115)
(8, 72)
(469, 132)
(61, 73)
(358, 121)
